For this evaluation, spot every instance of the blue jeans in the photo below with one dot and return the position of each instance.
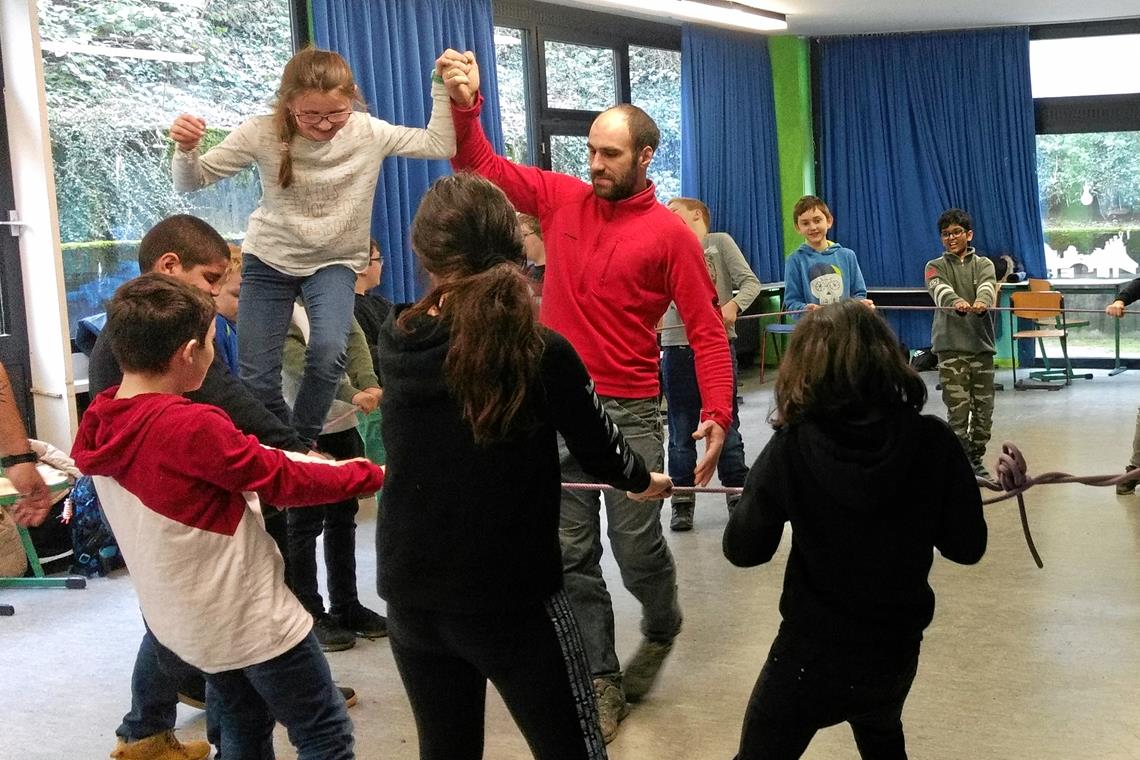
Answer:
(646, 564)
(264, 313)
(155, 680)
(679, 382)
(295, 689)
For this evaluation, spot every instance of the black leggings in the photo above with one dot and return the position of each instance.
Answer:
(807, 685)
(533, 656)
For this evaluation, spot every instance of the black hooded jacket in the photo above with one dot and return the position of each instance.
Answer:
(472, 528)
(868, 503)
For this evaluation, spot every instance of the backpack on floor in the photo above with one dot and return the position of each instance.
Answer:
(96, 551)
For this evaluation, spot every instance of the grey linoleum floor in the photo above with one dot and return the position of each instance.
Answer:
(1019, 662)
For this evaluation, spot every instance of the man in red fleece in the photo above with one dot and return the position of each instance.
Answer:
(615, 259)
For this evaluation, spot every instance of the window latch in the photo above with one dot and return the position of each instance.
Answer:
(14, 224)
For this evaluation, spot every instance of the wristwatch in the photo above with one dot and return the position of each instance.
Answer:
(8, 461)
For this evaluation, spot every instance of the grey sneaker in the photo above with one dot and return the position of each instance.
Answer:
(641, 671)
(682, 516)
(612, 707)
(1128, 487)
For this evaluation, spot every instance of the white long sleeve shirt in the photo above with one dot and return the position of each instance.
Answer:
(324, 216)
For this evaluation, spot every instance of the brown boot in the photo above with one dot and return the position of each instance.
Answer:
(164, 746)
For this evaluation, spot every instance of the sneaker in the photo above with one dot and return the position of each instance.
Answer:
(192, 692)
(612, 707)
(361, 621)
(682, 516)
(1128, 487)
(332, 637)
(164, 746)
(642, 670)
(349, 695)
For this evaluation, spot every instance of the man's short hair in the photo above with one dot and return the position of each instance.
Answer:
(195, 242)
(692, 204)
(955, 216)
(642, 128)
(151, 317)
(806, 204)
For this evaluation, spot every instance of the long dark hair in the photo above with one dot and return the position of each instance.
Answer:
(467, 236)
(844, 362)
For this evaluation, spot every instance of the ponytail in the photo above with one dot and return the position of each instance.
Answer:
(492, 363)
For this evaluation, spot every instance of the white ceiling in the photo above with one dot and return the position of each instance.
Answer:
(827, 17)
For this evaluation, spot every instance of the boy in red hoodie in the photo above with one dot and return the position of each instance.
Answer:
(180, 486)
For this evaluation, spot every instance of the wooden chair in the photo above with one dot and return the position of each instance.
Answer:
(1044, 308)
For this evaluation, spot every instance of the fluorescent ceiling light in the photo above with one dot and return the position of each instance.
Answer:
(62, 48)
(738, 15)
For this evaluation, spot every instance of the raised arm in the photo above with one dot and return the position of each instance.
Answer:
(437, 140)
(531, 190)
(192, 171)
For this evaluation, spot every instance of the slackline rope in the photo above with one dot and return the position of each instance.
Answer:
(1012, 480)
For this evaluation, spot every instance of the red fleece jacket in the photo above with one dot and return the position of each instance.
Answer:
(611, 270)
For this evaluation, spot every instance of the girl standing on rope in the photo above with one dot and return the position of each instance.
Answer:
(318, 158)
(476, 393)
(870, 487)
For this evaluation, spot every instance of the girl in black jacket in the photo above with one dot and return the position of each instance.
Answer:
(475, 396)
(871, 488)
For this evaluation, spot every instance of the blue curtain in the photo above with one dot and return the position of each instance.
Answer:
(728, 147)
(913, 125)
(392, 46)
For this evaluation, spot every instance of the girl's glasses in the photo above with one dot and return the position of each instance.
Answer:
(313, 119)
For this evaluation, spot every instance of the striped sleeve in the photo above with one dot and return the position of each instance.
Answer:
(941, 291)
(986, 286)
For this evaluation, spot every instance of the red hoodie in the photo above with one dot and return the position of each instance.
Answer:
(179, 485)
(611, 270)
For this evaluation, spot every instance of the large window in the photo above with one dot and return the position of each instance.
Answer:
(1086, 88)
(117, 74)
(568, 65)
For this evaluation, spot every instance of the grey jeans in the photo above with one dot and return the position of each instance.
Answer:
(639, 547)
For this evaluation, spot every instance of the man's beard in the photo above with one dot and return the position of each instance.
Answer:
(623, 185)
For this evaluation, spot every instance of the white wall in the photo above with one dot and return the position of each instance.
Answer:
(45, 295)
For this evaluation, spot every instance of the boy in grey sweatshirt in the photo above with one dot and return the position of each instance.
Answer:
(964, 286)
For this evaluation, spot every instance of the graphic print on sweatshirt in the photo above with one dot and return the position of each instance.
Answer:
(826, 283)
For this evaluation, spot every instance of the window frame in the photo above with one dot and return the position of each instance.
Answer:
(540, 22)
(1086, 113)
